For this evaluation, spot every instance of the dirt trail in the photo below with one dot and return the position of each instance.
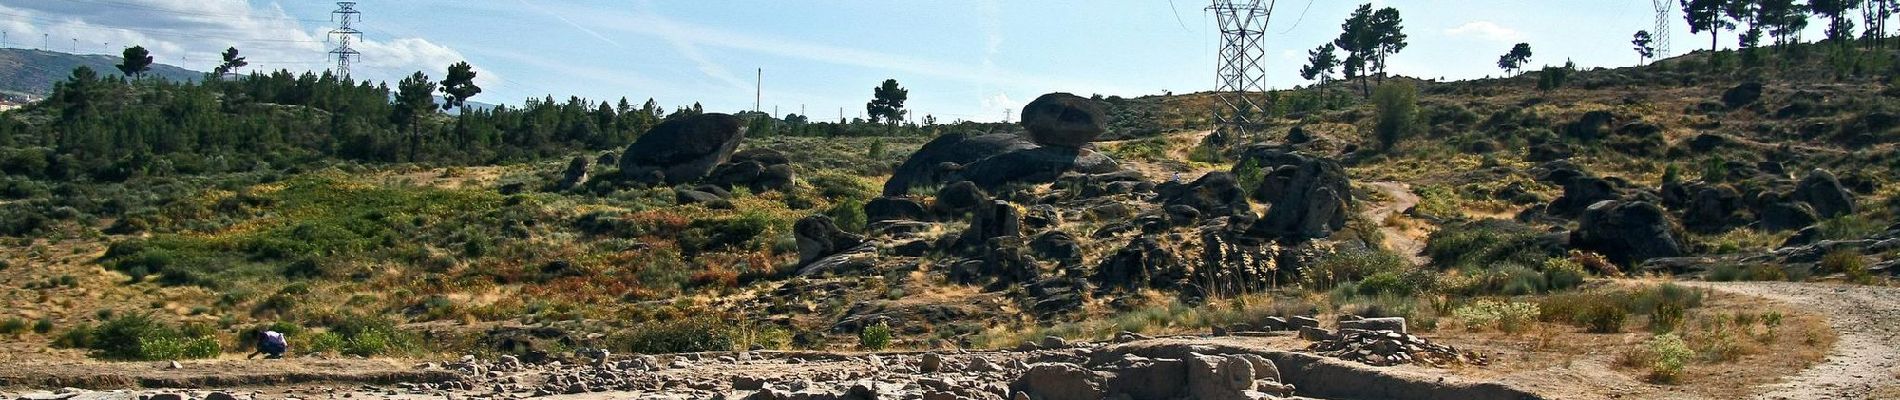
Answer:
(1399, 239)
(1866, 360)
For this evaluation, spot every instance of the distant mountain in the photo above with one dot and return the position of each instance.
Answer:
(31, 73)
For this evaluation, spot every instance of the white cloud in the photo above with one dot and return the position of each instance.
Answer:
(998, 102)
(1487, 30)
(192, 33)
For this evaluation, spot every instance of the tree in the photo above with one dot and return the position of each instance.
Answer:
(231, 62)
(1359, 40)
(1320, 63)
(1749, 12)
(1516, 58)
(1645, 47)
(1784, 18)
(1840, 29)
(136, 61)
(459, 86)
(887, 102)
(415, 98)
(1707, 16)
(1389, 29)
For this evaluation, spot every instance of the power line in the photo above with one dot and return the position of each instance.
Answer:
(346, 12)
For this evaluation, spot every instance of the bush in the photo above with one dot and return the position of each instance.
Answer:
(1845, 261)
(1664, 355)
(849, 215)
(1508, 317)
(685, 335)
(13, 326)
(1397, 104)
(1356, 264)
(875, 337)
(1562, 273)
(370, 336)
(1602, 317)
(839, 186)
(44, 326)
(1486, 243)
(138, 336)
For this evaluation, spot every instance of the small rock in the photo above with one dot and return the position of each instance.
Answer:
(931, 362)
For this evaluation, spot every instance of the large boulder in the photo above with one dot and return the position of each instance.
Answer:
(1062, 119)
(1142, 264)
(959, 157)
(1627, 232)
(894, 209)
(1311, 196)
(683, 150)
(1215, 194)
(1742, 95)
(1711, 208)
(759, 170)
(1060, 381)
(1581, 192)
(1781, 216)
(575, 175)
(818, 237)
(1823, 192)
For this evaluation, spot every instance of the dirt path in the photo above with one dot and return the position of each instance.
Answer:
(1398, 238)
(1866, 360)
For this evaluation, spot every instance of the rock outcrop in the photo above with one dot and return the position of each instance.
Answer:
(818, 237)
(1311, 196)
(1627, 232)
(683, 150)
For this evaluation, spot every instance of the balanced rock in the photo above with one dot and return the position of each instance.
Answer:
(1823, 192)
(1062, 119)
(683, 150)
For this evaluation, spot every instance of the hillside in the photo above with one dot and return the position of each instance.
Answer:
(31, 73)
(1526, 232)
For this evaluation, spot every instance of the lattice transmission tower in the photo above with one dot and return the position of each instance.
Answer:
(1240, 73)
(1661, 34)
(344, 15)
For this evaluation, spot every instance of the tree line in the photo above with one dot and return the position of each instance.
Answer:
(113, 128)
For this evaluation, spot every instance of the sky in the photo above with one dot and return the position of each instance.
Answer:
(977, 60)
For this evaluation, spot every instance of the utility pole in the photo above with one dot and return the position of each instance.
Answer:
(1661, 34)
(758, 89)
(1006, 114)
(344, 15)
(1240, 76)
(46, 42)
(75, 45)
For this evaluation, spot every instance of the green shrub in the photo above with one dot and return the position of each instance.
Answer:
(849, 215)
(138, 336)
(371, 335)
(1845, 261)
(1521, 280)
(1602, 317)
(78, 337)
(1508, 317)
(1667, 355)
(839, 186)
(12, 326)
(1351, 265)
(44, 326)
(322, 342)
(1397, 104)
(875, 337)
(1562, 274)
(1487, 243)
(685, 335)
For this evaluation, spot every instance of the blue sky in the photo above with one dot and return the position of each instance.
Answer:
(961, 59)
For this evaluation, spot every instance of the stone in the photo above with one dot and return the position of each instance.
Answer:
(1297, 322)
(1058, 246)
(1627, 232)
(1214, 194)
(1782, 216)
(1742, 95)
(220, 396)
(1059, 381)
(1142, 264)
(1311, 195)
(894, 209)
(1219, 377)
(930, 362)
(959, 198)
(1823, 192)
(1053, 342)
(1316, 334)
(1590, 127)
(1395, 324)
(1062, 119)
(166, 396)
(688, 197)
(685, 149)
(575, 175)
(818, 236)
(1580, 192)
(745, 382)
(991, 161)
